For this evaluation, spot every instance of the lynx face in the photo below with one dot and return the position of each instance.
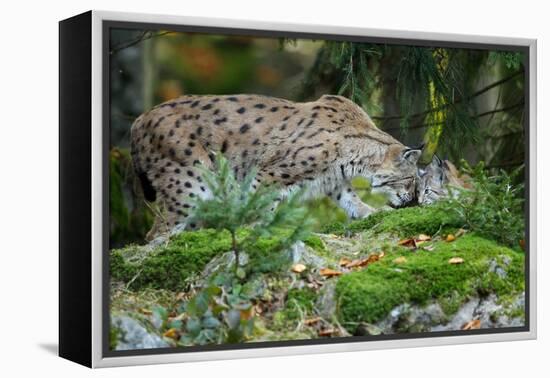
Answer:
(397, 178)
(431, 182)
(439, 180)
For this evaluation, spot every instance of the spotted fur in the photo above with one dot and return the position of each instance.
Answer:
(319, 146)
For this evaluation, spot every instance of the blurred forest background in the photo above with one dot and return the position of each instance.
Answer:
(464, 103)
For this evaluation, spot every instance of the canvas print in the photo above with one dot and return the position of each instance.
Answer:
(277, 189)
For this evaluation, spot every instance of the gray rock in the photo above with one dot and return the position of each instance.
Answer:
(520, 301)
(301, 253)
(462, 316)
(499, 267)
(222, 263)
(410, 318)
(367, 329)
(339, 246)
(486, 311)
(413, 318)
(156, 320)
(133, 335)
(326, 301)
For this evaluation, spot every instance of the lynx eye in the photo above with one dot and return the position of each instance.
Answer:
(405, 180)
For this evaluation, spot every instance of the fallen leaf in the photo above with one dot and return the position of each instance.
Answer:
(429, 248)
(354, 263)
(460, 232)
(522, 244)
(382, 254)
(473, 324)
(311, 321)
(450, 238)
(145, 311)
(248, 314)
(298, 268)
(327, 332)
(115, 153)
(326, 272)
(172, 333)
(400, 260)
(363, 262)
(456, 260)
(423, 237)
(344, 261)
(407, 243)
(373, 258)
(181, 316)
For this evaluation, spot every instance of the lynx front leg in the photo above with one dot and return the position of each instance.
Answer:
(350, 202)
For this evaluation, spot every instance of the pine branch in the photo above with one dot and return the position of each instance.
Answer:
(475, 116)
(439, 108)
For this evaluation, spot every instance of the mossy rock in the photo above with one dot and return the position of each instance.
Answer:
(185, 255)
(168, 266)
(370, 294)
(403, 222)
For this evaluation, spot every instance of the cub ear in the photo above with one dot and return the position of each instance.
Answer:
(436, 161)
(412, 154)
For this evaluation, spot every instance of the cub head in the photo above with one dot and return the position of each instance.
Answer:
(431, 182)
(438, 180)
(396, 176)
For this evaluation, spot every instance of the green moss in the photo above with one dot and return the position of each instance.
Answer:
(267, 254)
(186, 254)
(118, 210)
(299, 304)
(403, 222)
(370, 294)
(169, 266)
(114, 335)
(299, 301)
(315, 242)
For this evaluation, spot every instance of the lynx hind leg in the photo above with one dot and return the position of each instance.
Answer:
(177, 184)
(350, 202)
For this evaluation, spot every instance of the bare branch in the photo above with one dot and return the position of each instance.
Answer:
(504, 109)
(145, 35)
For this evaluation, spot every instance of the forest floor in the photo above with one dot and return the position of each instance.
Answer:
(411, 270)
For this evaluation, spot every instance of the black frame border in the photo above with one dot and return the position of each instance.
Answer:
(107, 25)
(75, 189)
